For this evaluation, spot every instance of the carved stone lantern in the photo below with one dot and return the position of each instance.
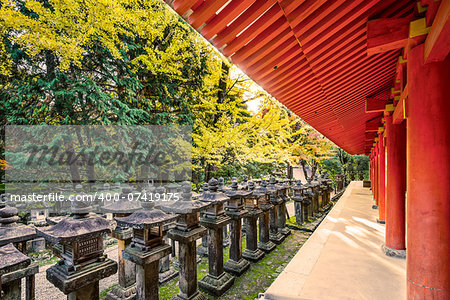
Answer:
(147, 246)
(79, 243)
(187, 231)
(214, 218)
(252, 253)
(11, 231)
(235, 209)
(309, 194)
(317, 196)
(127, 270)
(244, 184)
(14, 266)
(283, 190)
(301, 213)
(222, 188)
(265, 205)
(202, 250)
(274, 235)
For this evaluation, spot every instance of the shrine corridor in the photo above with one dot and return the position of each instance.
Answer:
(343, 258)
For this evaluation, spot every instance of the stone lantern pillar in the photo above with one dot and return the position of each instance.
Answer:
(252, 253)
(316, 194)
(147, 245)
(309, 194)
(274, 235)
(283, 194)
(235, 209)
(11, 231)
(202, 250)
(298, 203)
(127, 270)
(186, 231)
(214, 218)
(265, 244)
(79, 243)
(14, 266)
(166, 272)
(222, 188)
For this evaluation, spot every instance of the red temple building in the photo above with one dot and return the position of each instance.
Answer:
(374, 77)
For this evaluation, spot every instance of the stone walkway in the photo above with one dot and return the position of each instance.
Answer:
(342, 259)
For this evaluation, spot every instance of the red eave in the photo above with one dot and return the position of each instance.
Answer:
(311, 55)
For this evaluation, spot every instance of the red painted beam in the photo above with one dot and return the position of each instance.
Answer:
(273, 15)
(222, 19)
(375, 105)
(437, 44)
(204, 12)
(241, 22)
(387, 34)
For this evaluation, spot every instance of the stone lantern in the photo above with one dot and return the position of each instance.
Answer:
(235, 209)
(265, 205)
(187, 231)
(274, 235)
(202, 250)
(252, 253)
(11, 231)
(14, 266)
(317, 199)
(222, 188)
(301, 213)
(329, 187)
(79, 243)
(167, 272)
(309, 195)
(282, 211)
(244, 183)
(214, 218)
(127, 270)
(147, 246)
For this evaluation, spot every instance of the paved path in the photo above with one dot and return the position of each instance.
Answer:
(343, 258)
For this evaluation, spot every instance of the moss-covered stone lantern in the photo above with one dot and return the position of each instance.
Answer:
(235, 209)
(79, 243)
(252, 253)
(216, 281)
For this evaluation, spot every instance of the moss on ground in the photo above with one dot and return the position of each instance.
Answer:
(257, 279)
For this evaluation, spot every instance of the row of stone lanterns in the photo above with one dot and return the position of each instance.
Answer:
(141, 230)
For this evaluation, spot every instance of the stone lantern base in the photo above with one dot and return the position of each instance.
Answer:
(255, 255)
(276, 238)
(266, 247)
(284, 231)
(236, 267)
(84, 282)
(121, 293)
(196, 296)
(216, 285)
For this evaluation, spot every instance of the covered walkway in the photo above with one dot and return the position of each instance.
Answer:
(343, 258)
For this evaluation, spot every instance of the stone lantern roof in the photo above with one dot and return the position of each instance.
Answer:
(10, 230)
(12, 259)
(77, 229)
(123, 205)
(233, 192)
(146, 218)
(212, 195)
(273, 189)
(185, 205)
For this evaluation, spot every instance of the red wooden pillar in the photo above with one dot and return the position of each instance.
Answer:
(381, 179)
(428, 173)
(375, 175)
(395, 187)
